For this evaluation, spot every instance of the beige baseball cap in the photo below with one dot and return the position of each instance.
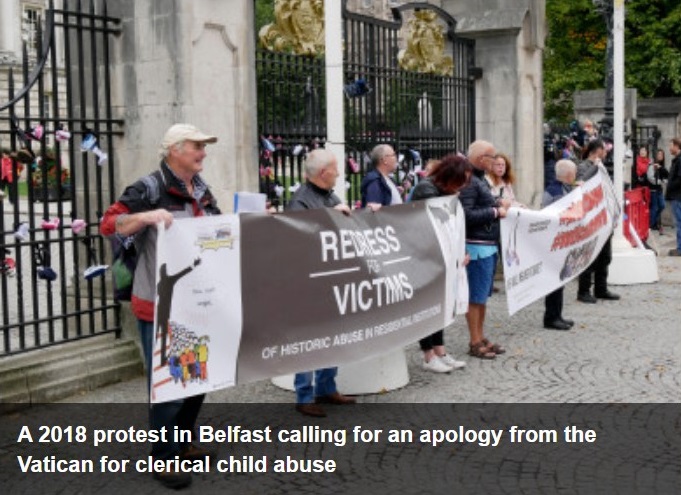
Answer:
(185, 132)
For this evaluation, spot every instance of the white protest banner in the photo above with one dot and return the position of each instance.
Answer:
(247, 297)
(543, 250)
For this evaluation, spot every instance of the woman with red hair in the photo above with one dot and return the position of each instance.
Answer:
(447, 177)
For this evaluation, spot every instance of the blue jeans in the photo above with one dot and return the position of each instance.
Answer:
(481, 278)
(325, 384)
(656, 207)
(676, 210)
(181, 413)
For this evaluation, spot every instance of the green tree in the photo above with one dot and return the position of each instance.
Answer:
(264, 13)
(574, 58)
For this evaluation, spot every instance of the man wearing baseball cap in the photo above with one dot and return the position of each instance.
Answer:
(175, 190)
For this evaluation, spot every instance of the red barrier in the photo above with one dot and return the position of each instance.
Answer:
(637, 213)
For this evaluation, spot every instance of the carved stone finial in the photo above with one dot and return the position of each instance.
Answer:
(298, 28)
(425, 46)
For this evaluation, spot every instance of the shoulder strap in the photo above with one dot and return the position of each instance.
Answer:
(151, 183)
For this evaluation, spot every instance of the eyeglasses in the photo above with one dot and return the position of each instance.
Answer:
(489, 156)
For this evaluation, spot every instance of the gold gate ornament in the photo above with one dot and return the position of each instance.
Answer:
(425, 46)
(298, 28)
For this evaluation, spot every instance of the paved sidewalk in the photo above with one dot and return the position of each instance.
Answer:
(620, 351)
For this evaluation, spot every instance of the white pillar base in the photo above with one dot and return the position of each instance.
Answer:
(631, 266)
(372, 376)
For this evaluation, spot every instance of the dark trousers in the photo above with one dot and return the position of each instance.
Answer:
(427, 343)
(553, 304)
(12, 190)
(181, 413)
(598, 271)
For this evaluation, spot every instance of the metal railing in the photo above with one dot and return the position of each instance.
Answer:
(49, 219)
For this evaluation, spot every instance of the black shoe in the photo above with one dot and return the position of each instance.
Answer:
(175, 481)
(608, 296)
(567, 322)
(556, 325)
(587, 298)
(674, 252)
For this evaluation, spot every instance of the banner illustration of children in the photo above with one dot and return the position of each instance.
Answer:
(198, 310)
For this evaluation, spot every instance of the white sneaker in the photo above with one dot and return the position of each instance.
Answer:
(436, 365)
(451, 362)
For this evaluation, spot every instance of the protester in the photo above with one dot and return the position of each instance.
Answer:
(321, 170)
(657, 174)
(673, 194)
(482, 212)
(446, 177)
(598, 270)
(182, 193)
(566, 173)
(377, 187)
(501, 178)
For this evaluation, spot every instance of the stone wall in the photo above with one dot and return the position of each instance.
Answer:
(187, 62)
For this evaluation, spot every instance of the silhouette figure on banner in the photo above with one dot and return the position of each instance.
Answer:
(164, 289)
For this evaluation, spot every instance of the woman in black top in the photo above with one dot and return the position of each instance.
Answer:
(447, 177)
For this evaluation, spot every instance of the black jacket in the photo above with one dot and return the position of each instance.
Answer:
(310, 197)
(424, 190)
(479, 206)
(674, 184)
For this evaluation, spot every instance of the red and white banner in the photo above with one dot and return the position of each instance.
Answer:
(543, 250)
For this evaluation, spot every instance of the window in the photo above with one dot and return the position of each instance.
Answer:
(29, 28)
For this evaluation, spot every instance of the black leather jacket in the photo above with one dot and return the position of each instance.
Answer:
(479, 206)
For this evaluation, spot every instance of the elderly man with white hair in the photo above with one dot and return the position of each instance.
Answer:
(181, 193)
(566, 174)
(321, 169)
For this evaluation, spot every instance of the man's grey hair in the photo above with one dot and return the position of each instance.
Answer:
(317, 160)
(163, 152)
(564, 168)
(479, 148)
(378, 152)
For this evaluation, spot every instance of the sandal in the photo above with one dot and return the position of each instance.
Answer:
(496, 349)
(481, 351)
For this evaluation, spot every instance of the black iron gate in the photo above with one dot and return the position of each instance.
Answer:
(409, 82)
(57, 128)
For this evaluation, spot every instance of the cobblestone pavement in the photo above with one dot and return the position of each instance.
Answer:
(621, 355)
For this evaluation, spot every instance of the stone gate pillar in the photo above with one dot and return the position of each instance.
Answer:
(509, 45)
(181, 61)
